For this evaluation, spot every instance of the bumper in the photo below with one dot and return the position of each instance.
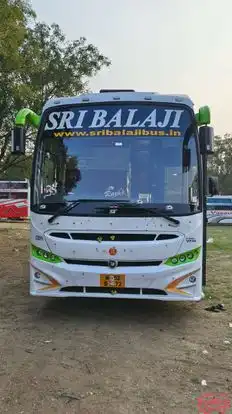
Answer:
(182, 283)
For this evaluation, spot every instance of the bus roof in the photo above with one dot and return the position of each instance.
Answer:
(115, 96)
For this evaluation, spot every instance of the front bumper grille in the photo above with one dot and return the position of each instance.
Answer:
(116, 237)
(125, 291)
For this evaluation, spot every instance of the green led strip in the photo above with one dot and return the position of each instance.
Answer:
(43, 255)
(183, 258)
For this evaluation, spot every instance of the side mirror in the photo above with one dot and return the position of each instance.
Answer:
(18, 141)
(213, 186)
(206, 138)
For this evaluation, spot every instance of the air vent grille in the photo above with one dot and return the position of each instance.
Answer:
(125, 291)
(109, 237)
(121, 263)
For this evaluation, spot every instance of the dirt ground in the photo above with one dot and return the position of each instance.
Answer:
(71, 356)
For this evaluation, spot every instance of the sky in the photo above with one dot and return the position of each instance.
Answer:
(165, 46)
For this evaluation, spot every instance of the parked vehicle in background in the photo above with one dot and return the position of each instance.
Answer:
(219, 209)
(14, 199)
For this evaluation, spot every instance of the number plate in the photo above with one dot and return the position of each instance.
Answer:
(113, 281)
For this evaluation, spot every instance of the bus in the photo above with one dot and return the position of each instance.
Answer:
(14, 199)
(118, 195)
(219, 209)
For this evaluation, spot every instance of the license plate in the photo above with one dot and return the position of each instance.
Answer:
(113, 281)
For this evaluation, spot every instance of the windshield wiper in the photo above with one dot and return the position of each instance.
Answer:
(64, 209)
(155, 212)
(70, 205)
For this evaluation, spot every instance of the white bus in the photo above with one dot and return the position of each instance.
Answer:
(118, 196)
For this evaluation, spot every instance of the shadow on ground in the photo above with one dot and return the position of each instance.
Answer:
(117, 311)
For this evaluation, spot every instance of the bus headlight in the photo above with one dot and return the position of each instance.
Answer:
(183, 258)
(43, 255)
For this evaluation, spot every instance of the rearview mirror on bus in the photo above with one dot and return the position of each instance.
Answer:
(18, 141)
(213, 186)
(206, 137)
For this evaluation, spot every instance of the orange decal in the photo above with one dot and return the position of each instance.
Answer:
(172, 287)
(54, 284)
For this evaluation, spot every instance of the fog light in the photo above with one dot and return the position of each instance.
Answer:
(37, 275)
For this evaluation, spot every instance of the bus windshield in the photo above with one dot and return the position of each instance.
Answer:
(131, 152)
